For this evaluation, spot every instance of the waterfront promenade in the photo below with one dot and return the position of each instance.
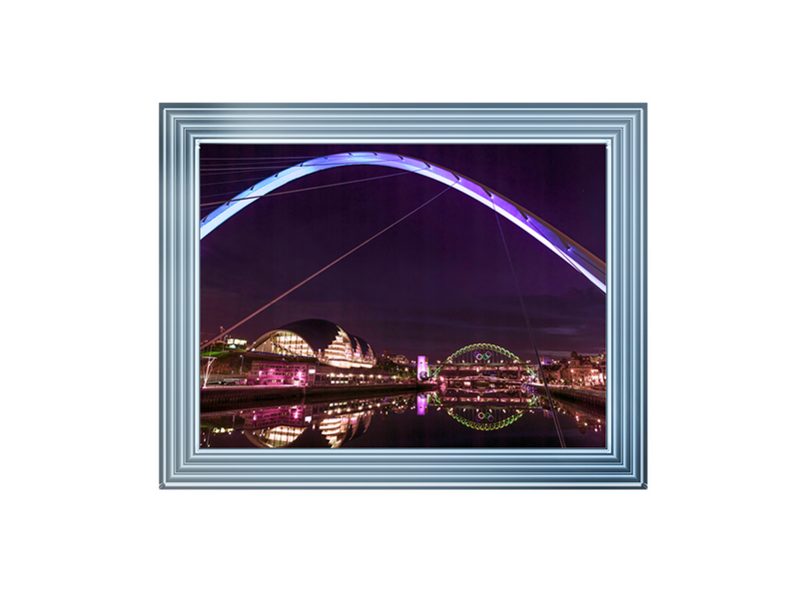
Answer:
(231, 397)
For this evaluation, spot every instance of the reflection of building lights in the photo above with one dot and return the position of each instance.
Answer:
(275, 437)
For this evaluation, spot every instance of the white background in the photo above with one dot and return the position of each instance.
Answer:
(84, 518)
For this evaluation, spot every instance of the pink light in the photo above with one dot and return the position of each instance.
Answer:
(421, 404)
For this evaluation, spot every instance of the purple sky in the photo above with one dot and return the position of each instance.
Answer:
(436, 282)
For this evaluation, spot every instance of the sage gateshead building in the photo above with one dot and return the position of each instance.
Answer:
(318, 339)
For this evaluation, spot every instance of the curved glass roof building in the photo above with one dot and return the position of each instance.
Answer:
(320, 339)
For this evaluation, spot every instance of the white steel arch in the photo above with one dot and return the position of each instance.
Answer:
(568, 250)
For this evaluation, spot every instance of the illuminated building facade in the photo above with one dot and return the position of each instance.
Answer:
(319, 339)
(281, 373)
(235, 344)
(422, 367)
(581, 371)
(584, 375)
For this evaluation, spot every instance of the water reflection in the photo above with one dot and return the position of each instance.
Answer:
(507, 418)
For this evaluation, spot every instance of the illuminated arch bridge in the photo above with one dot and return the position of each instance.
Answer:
(564, 247)
(480, 354)
(484, 414)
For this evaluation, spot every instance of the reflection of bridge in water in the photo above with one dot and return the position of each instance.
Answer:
(332, 424)
(484, 363)
(484, 373)
(482, 387)
(470, 370)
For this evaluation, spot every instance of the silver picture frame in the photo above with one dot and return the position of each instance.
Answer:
(622, 127)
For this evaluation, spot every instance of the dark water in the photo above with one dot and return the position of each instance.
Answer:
(452, 419)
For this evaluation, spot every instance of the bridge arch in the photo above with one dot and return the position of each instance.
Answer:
(481, 348)
(564, 247)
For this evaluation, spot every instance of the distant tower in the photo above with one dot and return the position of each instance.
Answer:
(422, 369)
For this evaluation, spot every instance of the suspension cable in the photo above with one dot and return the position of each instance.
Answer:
(310, 188)
(312, 276)
(530, 331)
(220, 171)
(273, 158)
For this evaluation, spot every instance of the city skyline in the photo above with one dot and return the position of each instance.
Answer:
(435, 282)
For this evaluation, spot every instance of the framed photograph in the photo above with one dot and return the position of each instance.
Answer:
(403, 296)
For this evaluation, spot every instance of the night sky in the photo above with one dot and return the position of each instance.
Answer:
(434, 283)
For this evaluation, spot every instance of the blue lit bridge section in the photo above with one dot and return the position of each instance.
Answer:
(568, 250)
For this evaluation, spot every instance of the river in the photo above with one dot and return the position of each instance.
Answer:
(446, 419)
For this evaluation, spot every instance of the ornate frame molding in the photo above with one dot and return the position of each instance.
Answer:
(621, 127)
